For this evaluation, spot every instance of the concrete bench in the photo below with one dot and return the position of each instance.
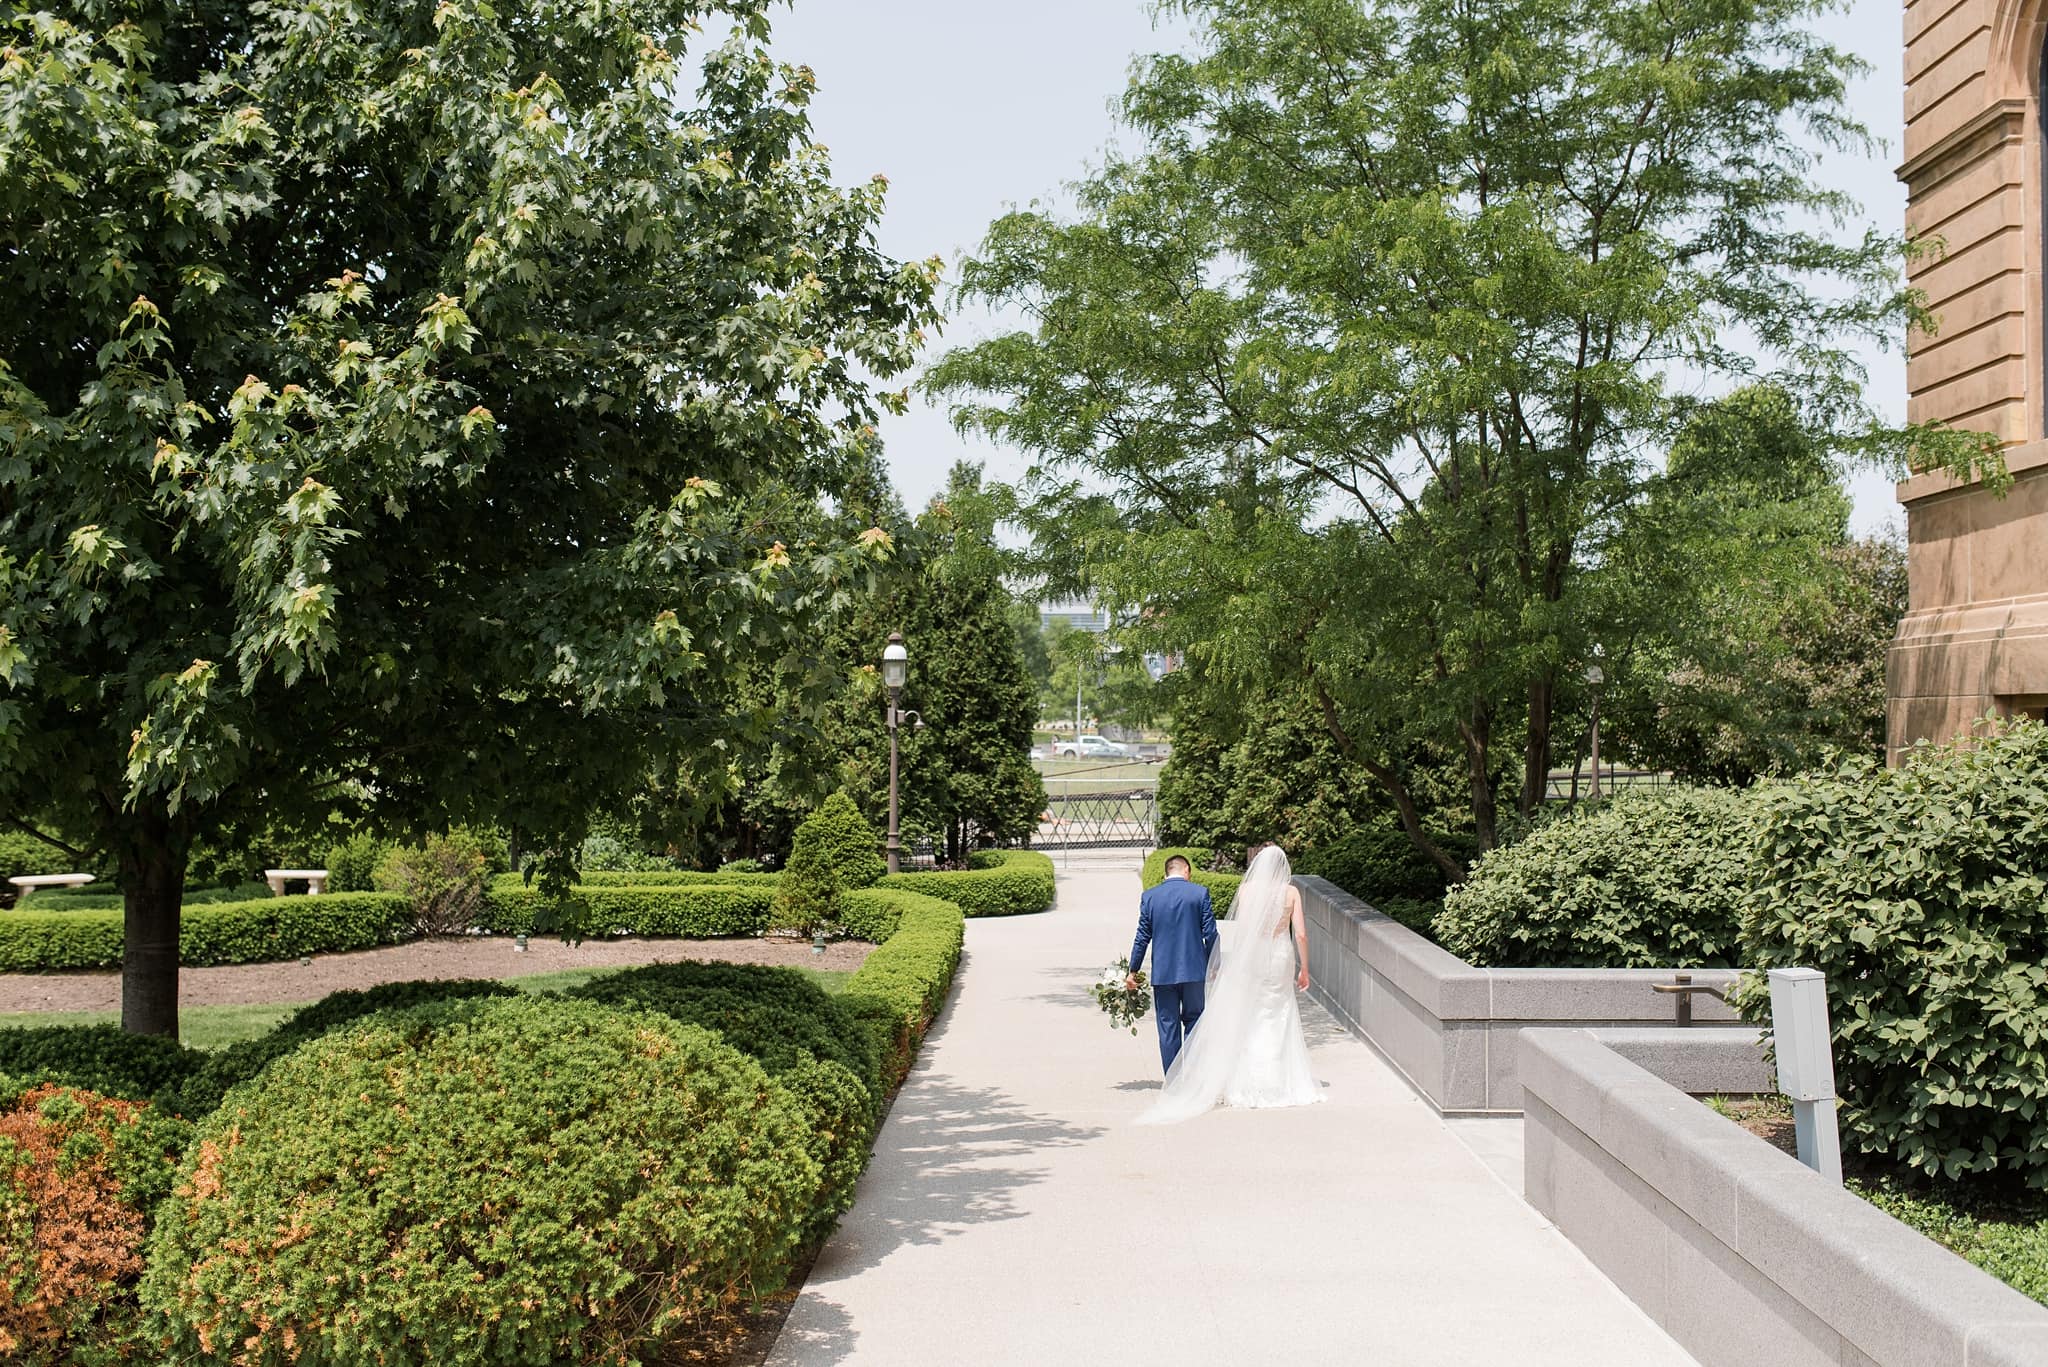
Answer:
(29, 882)
(314, 879)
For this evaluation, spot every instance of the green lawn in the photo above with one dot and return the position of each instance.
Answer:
(214, 1027)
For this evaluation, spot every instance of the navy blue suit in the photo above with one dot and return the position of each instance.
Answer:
(1178, 922)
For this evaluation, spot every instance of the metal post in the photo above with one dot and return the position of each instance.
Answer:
(1806, 1065)
(1594, 792)
(895, 845)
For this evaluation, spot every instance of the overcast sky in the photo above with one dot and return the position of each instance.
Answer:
(971, 106)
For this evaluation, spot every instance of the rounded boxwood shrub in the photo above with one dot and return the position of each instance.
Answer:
(201, 1091)
(995, 883)
(1922, 893)
(98, 1058)
(795, 1030)
(78, 1175)
(529, 1180)
(1649, 878)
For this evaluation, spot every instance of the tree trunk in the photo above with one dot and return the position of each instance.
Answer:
(1478, 734)
(153, 856)
(1536, 755)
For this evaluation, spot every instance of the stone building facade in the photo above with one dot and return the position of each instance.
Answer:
(1975, 636)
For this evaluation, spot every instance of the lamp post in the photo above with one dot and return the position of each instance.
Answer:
(1595, 676)
(895, 669)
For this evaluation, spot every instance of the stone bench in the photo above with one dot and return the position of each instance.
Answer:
(30, 882)
(314, 879)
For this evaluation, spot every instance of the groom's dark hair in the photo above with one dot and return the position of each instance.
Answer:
(1179, 861)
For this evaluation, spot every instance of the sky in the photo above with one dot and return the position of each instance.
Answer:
(971, 107)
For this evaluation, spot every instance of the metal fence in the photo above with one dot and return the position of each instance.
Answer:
(1097, 814)
(1565, 785)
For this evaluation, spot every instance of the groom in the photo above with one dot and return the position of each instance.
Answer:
(1177, 918)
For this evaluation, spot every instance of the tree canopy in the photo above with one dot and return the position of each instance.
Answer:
(404, 406)
(1353, 369)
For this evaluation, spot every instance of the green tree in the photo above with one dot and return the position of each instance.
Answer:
(967, 774)
(1374, 334)
(403, 406)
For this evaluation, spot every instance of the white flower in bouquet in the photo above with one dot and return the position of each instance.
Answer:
(1125, 1006)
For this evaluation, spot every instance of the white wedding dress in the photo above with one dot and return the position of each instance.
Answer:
(1247, 1050)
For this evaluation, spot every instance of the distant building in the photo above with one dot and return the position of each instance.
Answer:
(1082, 616)
(1974, 640)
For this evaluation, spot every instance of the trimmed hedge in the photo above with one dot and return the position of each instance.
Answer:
(894, 995)
(106, 897)
(1649, 878)
(478, 1183)
(1921, 892)
(251, 932)
(199, 1094)
(791, 1027)
(97, 1058)
(658, 878)
(998, 883)
(1222, 886)
(691, 911)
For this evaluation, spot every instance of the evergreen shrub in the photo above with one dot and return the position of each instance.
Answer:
(690, 910)
(479, 1183)
(849, 843)
(808, 896)
(352, 865)
(1921, 891)
(796, 1031)
(1222, 885)
(199, 1093)
(97, 1058)
(1381, 864)
(1649, 878)
(79, 1174)
(898, 990)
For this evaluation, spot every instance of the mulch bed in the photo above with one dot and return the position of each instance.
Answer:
(474, 956)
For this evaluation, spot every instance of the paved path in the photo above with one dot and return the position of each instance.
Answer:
(1013, 1215)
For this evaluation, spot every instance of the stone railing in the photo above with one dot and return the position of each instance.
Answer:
(1451, 1028)
(1742, 1254)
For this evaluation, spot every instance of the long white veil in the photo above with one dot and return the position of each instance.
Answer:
(1202, 1070)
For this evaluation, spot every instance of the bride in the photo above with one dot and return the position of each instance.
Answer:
(1247, 1050)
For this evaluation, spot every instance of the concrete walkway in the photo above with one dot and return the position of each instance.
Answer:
(1013, 1215)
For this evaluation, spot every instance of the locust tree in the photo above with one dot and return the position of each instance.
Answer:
(398, 404)
(1347, 369)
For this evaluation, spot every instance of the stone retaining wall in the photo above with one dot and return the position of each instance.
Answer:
(1450, 1028)
(1742, 1254)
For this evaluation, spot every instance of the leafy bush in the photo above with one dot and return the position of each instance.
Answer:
(1919, 891)
(1649, 878)
(808, 896)
(850, 845)
(796, 1031)
(695, 911)
(1000, 883)
(742, 866)
(199, 1093)
(262, 931)
(443, 878)
(894, 995)
(1222, 885)
(1380, 863)
(97, 1058)
(78, 1175)
(352, 865)
(529, 1180)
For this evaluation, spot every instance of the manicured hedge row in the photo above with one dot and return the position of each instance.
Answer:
(667, 878)
(1222, 886)
(1001, 883)
(268, 930)
(896, 993)
(692, 911)
(107, 897)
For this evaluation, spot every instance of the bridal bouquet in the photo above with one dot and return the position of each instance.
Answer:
(1124, 1006)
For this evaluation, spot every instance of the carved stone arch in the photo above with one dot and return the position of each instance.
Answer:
(2019, 32)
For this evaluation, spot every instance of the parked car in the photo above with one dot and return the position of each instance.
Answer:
(1091, 747)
